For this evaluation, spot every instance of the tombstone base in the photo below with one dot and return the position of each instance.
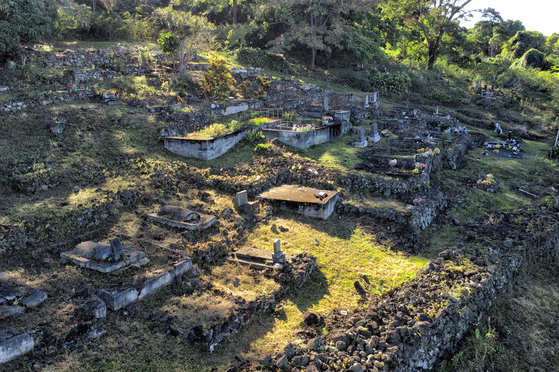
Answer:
(374, 138)
(360, 144)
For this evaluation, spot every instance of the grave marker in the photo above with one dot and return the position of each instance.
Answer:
(241, 199)
(374, 132)
(325, 103)
(278, 256)
(366, 101)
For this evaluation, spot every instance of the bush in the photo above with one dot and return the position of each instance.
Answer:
(353, 79)
(260, 58)
(532, 58)
(218, 82)
(389, 82)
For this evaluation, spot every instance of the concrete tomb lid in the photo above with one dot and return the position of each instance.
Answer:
(178, 213)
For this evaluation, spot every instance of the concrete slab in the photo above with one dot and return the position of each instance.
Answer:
(304, 200)
(15, 346)
(182, 218)
(118, 300)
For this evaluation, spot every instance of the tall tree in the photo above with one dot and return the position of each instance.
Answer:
(23, 21)
(319, 25)
(429, 19)
(194, 33)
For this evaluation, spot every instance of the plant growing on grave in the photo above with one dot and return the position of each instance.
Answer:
(292, 116)
(244, 88)
(257, 122)
(262, 147)
(264, 84)
(217, 81)
(252, 137)
(488, 181)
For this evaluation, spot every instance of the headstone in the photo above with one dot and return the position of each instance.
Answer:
(411, 64)
(421, 77)
(117, 250)
(278, 256)
(10, 65)
(374, 132)
(485, 87)
(360, 134)
(478, 85)
(366, 101)
(510, 135)
(494, 77)
(325, 103)
(437, 110)
(241, 199)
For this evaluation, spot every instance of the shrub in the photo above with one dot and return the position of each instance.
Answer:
(353, 79)
(389, 82)
(218, 82)
(260, 58)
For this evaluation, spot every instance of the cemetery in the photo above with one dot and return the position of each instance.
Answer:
(179, 227)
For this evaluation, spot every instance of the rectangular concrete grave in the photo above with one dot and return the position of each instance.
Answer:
(104, 258)
(115, 301)
(209, 148)
(15, 346)
(307, 201)
(182, 218)
(304, 139)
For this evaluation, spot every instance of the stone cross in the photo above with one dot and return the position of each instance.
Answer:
(360, 134)
(374, 132)
(278, 256)
(325, 103)
(241, 199)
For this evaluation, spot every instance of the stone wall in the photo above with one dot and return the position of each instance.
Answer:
(421, 323)
(47, 99)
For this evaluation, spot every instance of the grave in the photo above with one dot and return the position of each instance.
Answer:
(304, 136)
(503, 149)
(304, 200)
(182, 218)
(375, 137)
(361, 140)
(104, 258)
(241, 202)
(260, 259)
(16, 296)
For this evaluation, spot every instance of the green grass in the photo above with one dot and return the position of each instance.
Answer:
(346, 252)
(60, 46)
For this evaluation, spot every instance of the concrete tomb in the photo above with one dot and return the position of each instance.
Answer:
(304, 200)
(260, 259)
(15, 296)
(105, 258)
(182, 218)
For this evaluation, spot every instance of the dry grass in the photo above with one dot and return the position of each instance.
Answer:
(198, 309)
(241, 281)
(384, 203)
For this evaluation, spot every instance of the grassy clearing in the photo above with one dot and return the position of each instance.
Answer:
(346, 253)
(366, 201)
(519, 333)
(60, 46)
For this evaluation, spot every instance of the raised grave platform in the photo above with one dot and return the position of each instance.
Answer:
(104, 258)
(304, 200)
(302, 139)
(182, 218)
(260, 259)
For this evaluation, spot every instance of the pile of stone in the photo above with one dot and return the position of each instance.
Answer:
(110, 99)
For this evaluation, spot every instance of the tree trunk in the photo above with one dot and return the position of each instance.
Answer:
(313, 58)
(234, 12)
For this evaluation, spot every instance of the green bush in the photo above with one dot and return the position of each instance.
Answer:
(260, 58)
(389, 81)
(218, 82)
(532, 58)
(353, 79)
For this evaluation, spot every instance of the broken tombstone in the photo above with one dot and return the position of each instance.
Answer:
(182, 218)
(104, 258)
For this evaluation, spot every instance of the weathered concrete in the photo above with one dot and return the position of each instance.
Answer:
(303, 140)
(118, 300)
(154, 284)
(128, 257)
(15, 346)
(307, 201)
(210, 148)
(182, 218)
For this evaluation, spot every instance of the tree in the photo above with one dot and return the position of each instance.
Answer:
(194, 33)
(24, 21)
(319, 25)
(428, 19)
(523, 41)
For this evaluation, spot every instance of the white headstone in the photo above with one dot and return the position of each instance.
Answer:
(374, 132)
(325, 103)
(241, 199)
(366, 101)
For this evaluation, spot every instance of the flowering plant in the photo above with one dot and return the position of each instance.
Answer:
(418, 201)
(393, 162)
(488, 181)
(326, 118)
